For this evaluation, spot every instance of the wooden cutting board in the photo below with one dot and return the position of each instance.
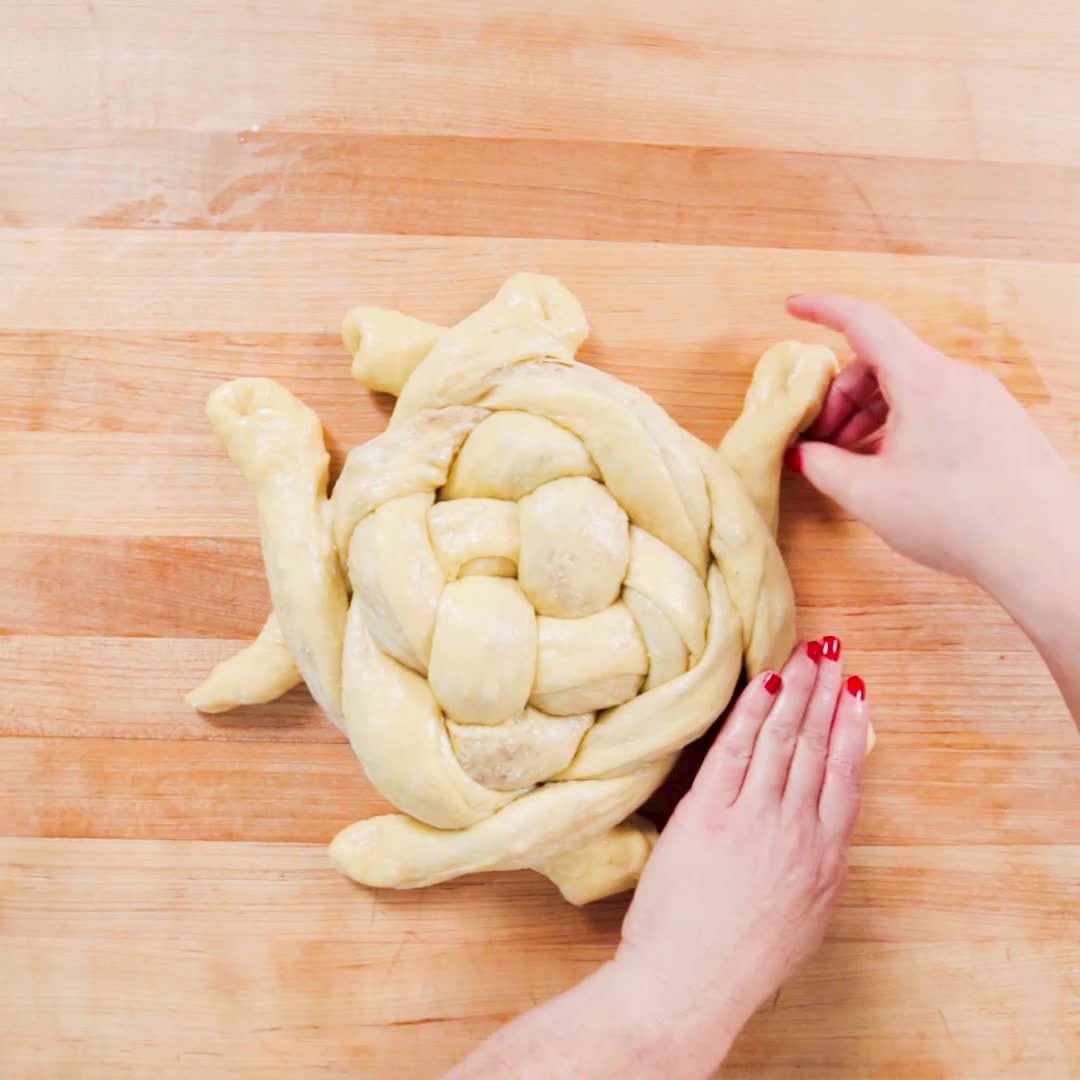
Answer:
(193, 193)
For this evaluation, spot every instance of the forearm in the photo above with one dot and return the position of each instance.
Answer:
(1034, 573)
(614, 1023)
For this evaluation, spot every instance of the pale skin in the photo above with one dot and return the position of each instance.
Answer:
(958, 476)
(936, 457)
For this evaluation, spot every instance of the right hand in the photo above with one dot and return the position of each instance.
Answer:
(952, 469)
(739, 888)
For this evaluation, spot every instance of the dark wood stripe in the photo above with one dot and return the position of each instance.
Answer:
(120, 586)
(493, 187)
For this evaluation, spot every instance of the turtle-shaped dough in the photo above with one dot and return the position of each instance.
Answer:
(525, 597)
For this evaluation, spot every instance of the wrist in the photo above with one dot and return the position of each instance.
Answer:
(685, 1029)
(1031, 564)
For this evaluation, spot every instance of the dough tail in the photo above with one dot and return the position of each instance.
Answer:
(259, 673)
(610, 864)
(789, 384)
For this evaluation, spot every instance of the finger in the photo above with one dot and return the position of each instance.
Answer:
(812, 746)
(720, 777)
(877, 336)
(850, 479)
(767, 773)
(842, 787)
(850, 390)
(872, 444)
(862, 424)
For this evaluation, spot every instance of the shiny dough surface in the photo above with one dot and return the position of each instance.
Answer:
(523, 599)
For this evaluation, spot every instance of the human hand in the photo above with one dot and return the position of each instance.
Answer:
(953, 471)
(738, 890)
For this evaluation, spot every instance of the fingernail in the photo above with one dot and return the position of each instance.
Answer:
(793, 458)
(813, 650)
(793, 296)
(772, 683)
(830, 647)
(856, 688)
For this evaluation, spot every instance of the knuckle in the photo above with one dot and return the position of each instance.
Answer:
(803, 840)
(874, 322)
(834, 862)
(737, 752)
(816, 742)
(832, 869)
(782, 735)
(829, 676)
(845, 770)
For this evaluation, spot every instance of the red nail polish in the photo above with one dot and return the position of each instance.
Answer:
(813, 650)
(830, 647)
(856, 688)
(772, 683)
(793, 458)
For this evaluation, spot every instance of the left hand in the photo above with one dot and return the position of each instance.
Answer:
(738, 891)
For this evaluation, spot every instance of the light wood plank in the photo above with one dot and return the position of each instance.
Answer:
(107, 381)
(702, 310)
(713, 308)
(963, 1009)
(1009, 33)
(168, 586)
(893, 895)
(121, 485)
(320, 182)
(189, 789)
(141, 587)
(573, 70)
(306, 972)
(127, 485)
(160, 788)
(656, 295)
(133, 688)
(720, 305)
(112, 382)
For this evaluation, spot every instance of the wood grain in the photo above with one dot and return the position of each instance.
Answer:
(286, 791)
(457, 186)
(133, 688)
(194, 192)
(189, 280)
(563, 69)
(298, 968)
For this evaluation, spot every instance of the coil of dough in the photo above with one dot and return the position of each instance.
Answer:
(524, 598)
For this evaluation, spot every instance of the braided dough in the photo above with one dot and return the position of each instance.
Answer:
(525, 597)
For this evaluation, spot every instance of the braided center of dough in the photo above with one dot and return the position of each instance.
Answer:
(525, 597)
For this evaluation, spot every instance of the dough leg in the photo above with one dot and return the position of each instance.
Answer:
(260, 673)
(277, 442)
(397, 852)
(388, 467)
(789, 384)
(610, 864)
(386, 346)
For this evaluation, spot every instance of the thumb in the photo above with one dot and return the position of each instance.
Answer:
(846, 477)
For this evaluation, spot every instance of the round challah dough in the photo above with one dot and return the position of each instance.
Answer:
(525, 597)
